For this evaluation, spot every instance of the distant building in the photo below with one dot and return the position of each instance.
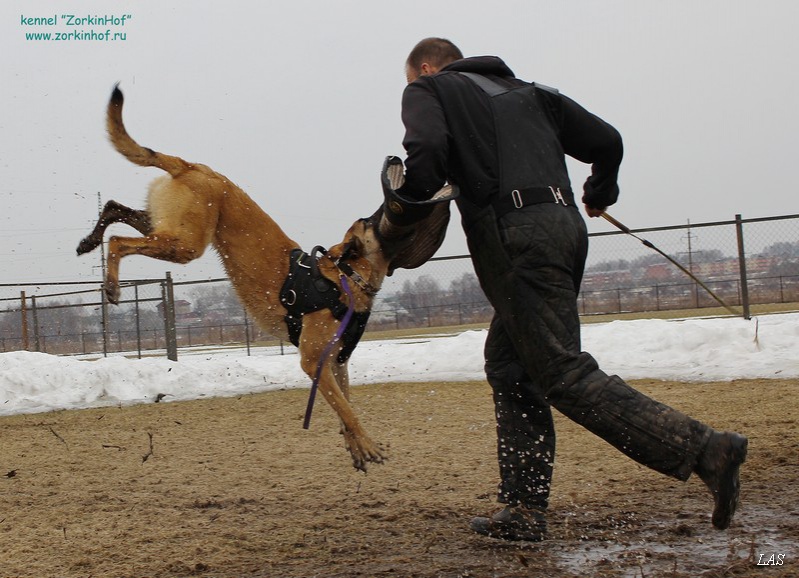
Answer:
(595, 280)
(659, 272)
(183, 311)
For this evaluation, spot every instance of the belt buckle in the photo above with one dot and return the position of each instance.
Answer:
(517, 198)
(558, 196)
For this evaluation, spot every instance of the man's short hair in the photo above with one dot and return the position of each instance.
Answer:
(435, 51)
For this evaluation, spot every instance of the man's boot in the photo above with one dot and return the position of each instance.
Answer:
(718, 466)
(513, 523)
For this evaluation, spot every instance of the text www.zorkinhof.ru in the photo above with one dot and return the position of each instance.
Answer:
(73, 27)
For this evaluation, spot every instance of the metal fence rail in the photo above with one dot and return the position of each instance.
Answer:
(744, 261)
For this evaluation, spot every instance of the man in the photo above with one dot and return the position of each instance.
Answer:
(502, 142)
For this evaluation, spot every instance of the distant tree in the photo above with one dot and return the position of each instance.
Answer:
(466, 289)
(785, 268)
(10, 322)
(425, 291)
(784, 249)
(215, 297)
(707, 256)
(58, 318)
(640, 264)
(610, 265)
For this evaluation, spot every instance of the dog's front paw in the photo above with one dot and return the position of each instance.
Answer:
(364, 451)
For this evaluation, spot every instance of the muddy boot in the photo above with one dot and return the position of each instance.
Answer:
(718, 467)
(513, 523)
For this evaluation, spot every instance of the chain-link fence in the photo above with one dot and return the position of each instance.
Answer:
(80, 321)
(158, 317)
(623, 275)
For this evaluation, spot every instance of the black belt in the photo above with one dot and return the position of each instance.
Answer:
(520, 198)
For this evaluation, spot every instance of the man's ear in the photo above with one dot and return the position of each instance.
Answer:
(427, 69)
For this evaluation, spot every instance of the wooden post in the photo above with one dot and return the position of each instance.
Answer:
(742, 266)
(36, 341)
(24, 309)
(169, 318)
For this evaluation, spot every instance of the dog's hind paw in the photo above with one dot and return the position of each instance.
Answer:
(86, 245)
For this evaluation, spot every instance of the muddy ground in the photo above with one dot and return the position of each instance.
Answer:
(235, 487)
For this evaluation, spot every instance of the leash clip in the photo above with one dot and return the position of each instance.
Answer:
(299, 261)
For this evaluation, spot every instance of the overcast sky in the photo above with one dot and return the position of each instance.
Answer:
(299, 102)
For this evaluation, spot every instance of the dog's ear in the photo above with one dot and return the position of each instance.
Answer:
(353, 249)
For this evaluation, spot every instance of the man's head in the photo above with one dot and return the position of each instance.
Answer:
(429, 56)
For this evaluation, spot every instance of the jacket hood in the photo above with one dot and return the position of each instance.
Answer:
(480, 65)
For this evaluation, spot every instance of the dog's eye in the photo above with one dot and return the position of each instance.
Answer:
(348, 252)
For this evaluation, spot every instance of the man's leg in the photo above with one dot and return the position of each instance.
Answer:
(537, 302)
(525, 431)
(525, 444)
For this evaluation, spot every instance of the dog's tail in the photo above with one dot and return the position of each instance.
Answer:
(132, 150)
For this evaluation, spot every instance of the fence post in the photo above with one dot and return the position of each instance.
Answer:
(739, 231)
(247, 331)
(138, 321)
(104, 317)
(170, 332)
(36, 341)
(24, 309)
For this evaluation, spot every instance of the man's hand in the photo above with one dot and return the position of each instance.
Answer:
(592, 212)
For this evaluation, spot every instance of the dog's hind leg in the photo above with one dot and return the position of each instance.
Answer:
(114, 212)
(156, 245)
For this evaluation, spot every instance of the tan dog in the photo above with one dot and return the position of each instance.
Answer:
(194, 206)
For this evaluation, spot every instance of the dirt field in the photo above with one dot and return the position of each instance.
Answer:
(235, 487)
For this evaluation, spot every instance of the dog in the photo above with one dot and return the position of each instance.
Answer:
(192, 207)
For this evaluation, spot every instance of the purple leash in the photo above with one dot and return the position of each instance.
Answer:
(339, 332)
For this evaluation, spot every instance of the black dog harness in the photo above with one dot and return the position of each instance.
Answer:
(306, 290)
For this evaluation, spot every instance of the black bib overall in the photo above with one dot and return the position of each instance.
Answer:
(530, 260)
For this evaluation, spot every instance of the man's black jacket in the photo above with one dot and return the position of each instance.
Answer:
(457, 142)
